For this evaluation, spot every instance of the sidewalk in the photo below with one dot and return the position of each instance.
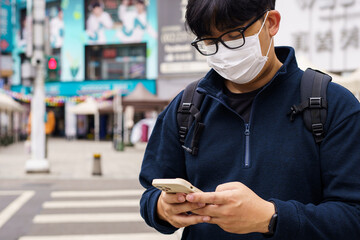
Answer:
(74, 160)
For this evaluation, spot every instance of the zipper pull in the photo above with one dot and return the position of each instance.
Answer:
(247, 130)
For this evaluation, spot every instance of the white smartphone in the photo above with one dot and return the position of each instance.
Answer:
(174, 185)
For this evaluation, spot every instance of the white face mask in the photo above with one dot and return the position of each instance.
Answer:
(240, 65)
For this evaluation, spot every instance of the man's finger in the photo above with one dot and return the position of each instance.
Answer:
(209, 210)
(186, 207)
(184, 220)
(173, 198)
(207, 198)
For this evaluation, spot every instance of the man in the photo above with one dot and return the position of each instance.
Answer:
(97, 23)
(133, 16)
(57, 30)
(261, 174)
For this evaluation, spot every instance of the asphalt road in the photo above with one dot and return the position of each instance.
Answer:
(92, 209)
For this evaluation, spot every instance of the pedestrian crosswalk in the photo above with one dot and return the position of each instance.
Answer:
(93, 215)
(21, 198)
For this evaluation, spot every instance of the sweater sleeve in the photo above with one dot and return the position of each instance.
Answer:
(164, 158)
(338, 215)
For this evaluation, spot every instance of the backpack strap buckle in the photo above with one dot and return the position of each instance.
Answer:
(182, 133)
(318, 131)
(186, 107)
(315, 102)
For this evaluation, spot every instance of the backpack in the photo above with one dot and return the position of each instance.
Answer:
(313, 107)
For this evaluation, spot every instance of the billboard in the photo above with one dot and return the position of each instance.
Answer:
(95, 23)
(118, 21)
(176, 55)
(327, 32)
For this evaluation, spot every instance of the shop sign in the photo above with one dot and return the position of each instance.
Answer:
(5, 26)
(93, 87)
(176, 55)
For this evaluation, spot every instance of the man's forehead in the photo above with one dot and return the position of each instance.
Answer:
(215, 32)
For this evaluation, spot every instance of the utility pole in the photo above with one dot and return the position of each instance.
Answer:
(0, 50)
(38, 163)
(119, 130)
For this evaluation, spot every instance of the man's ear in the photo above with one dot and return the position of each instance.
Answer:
(274, 18)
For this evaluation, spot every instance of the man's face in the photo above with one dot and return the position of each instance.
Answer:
(140, 7)
(61, 15)
(97, 11)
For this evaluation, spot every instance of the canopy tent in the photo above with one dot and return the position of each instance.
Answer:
(89, 107)
(9, 104)
(143, 100)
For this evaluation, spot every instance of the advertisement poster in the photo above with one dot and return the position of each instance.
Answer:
(6, 42)
(176, 55)
(118, 21)
(55, 16)
(107, 22)
(55, 25)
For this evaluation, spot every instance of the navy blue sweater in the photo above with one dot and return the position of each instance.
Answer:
(316, 188)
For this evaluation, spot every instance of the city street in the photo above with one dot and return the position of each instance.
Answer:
(69, 203)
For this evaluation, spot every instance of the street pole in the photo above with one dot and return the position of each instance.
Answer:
(38, 163)
(119, 137)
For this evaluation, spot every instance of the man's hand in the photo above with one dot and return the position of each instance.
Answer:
(235, 208)
(173, 208)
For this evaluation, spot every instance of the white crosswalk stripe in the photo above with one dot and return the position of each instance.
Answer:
(88, 218)
(9, 211)
(138, 236)
(91, 204)
(100, 194)
(108, 208)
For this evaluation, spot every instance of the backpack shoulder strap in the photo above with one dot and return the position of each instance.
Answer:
(188, 111)
(313, 104)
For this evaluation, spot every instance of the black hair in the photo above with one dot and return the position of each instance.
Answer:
(95, 4)
(201, 15)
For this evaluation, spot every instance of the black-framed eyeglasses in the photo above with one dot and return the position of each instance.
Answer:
(232, 39)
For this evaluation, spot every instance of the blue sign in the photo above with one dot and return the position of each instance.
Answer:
(5, 26)
(70, 89)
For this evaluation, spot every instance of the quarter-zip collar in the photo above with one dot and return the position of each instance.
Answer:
(213, 83)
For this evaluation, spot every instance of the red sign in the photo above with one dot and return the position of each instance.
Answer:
(52, 64)
(109, 53)
(4, 44)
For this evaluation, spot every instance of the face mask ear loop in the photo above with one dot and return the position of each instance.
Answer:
(263, 23)
(272, 38)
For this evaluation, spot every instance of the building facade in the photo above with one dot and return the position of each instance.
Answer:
(92, 47)
(96, 46)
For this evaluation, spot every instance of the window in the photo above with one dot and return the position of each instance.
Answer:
(115, 62)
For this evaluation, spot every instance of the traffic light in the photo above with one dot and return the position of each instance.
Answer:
(53, 68)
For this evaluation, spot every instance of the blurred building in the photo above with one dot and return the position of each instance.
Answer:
(326, 32)
(179, 62)
(97, 46)
(93, 47)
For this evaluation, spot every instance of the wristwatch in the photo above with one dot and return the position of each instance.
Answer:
(272, 224)
(273, 221)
